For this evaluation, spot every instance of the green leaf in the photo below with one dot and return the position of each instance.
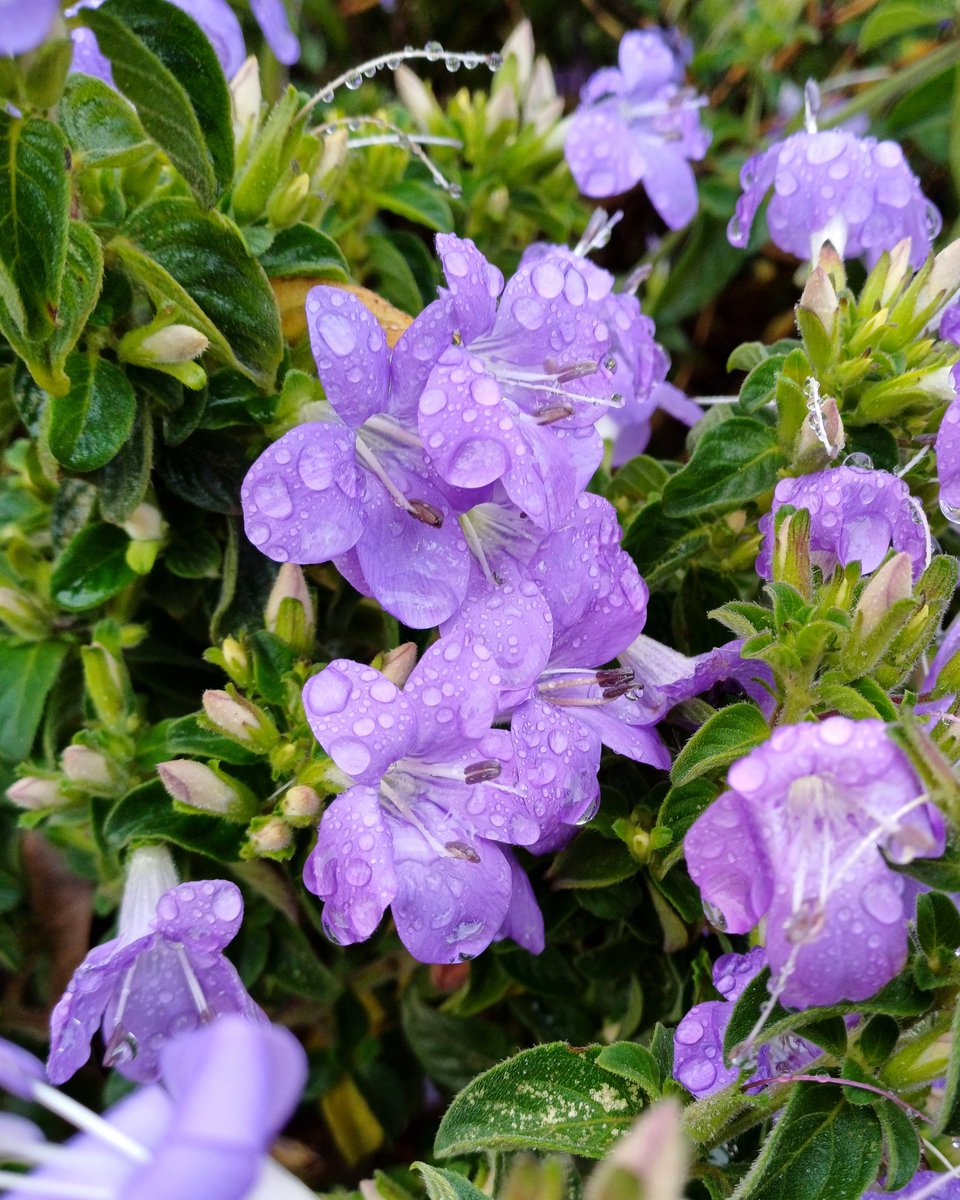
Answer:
(147, 813)
(101, 127)
(734, 462)
(184, 737)
(901, 1145)
(27, 673)
(164, 64)
(822, 1148)
(636, 480)
(293, 966)
(34, 207)
(92, 421)
(900, 16)
(92, 568)
(442, 1184)
(681, 807)
(660, 545)
(758, 387)
(82, 281)
(196, 555)
(938, 925)
(122, 483)
(552, 1097)
(197, 264)
(303, 250)
(268, 159)
(592, 861)
(422, 203)
(452, 1050)
(632, 1061)
(727, 736)
(392, 276)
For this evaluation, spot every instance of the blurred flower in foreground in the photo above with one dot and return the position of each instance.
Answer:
(163, 974)
(204, 1135)
(639, 123)
(830, 185)
(24, 26)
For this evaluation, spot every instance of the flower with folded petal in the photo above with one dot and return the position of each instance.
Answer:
(432, 797)
(516, 399)
(638, 124)
(801, 838)
(831, 185)
(204, 1134)
(948, 455)
(856, 515)
(698, 1041)
(356, 487)
(163, 974)
(931, 1185)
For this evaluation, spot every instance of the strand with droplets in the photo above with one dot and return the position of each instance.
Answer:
(395, 136)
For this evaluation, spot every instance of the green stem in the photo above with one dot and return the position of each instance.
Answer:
(900, 81)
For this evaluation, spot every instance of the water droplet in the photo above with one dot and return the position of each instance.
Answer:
(326, 96)
(354, 80)
(859, 460)
(714, 916)
(453, 63)
(433, 51)
(120, 1049)
(494, 61)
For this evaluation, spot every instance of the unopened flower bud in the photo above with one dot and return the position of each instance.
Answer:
(106, 683)
(289, 612)
(88, 767)
(542, 107)
(32, 792)
(198, 786)
(173, 344)
(240, 719)
(145, 524)
(650, 1162)
(398, 663)
(301, 805)
(20, 615)
(246, 98)
(236, 661)
(501, 107)
(821, 438)
(519, 47)
(944, 279)
(285, 206)
(820, 298)
(334, 155)
(269, 837)
(892, 582)
(897, 271)
(938, 384)
(416, 97)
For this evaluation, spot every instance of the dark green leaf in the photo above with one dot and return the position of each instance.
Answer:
(303, 250)
(122, 483)
(92, 421)
(877, 442)
(196, 555)
(821, 1148)
(632, 1061)
(592, 861)
(147, 813)
(896, 17)
(294, 967)
(184, 737)
(27, 673)
(938, 924)
(552, 1097)
(164, 64)
(422, 203)
(877, 1039)
(727, 736)
(206, 471)
(734, 462)
(901, 1145)
(102, 128)
(391, 275)
(451, 1050)
(92, 568)
(34, 205)
(197, 264)
(758, 387)
(680, 809)
(660, 545)
(448, 1185)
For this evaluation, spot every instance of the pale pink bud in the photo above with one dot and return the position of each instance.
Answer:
(398, 663)
(292, 584)
(301, 805)
(85, 766)
(272, 837)
(34, 792)
(198, 786)
(238, 718)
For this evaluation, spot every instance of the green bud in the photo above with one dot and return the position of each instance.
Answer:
(239, 719)
(301, 805)
(288, 200)
(269, 837)
(19, 612)
(821, 437)
(289, 612)
(107, 683)
(207, 789)
(791, 550)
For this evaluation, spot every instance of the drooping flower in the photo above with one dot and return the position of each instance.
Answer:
(24, 26)
(856, 515)
(432, 797)
(799, 838)
(638, 123)
(831, 185)
(947, 448)
(516, 399)
(355, 487)
(163, 974)
(217, 20)
(203, 1134)
(698, 1061)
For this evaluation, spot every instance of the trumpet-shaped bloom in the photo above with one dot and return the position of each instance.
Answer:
(858, 193)
(698, 1061)
(203, 1135)
(516, 399)
(433, 795)
(164, 975)
(799, 838)
(856, 515)
(357, 483)
(639, 124)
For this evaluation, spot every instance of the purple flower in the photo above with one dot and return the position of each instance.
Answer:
(432, 795)
(163, 975)
(933, 1184)
(856, 515)
(698, 1041)
(355, 487)
(516, 400)
(217, 20)
(638, 123)
(831, 185)
(204, 1135)
(24, 26)
(948, 458)
(949, 330)
(799, 839)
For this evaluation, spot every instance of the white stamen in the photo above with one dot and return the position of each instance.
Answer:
(598, 231)
(88, 1122)
(61, 1189)
(815, 408)
(371, 460)
(193, 983)
(905, 470)
(811, 106)
(476, 547)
